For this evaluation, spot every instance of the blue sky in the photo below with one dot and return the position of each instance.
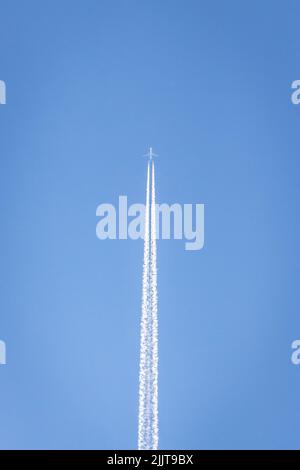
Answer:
(91, 85)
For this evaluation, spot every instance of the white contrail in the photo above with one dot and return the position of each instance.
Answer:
(148, 384)
(144, 353)
(154, 338)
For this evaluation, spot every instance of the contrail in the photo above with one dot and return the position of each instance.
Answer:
(143, 395)
(148, 382)
(153, 277)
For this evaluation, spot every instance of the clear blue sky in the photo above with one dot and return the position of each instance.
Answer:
(90, 85)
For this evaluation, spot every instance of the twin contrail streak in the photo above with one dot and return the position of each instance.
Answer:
(148, 383)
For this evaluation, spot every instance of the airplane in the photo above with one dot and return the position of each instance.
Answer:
(150, 154)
